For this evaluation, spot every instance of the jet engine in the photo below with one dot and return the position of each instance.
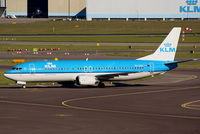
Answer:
(86, 80)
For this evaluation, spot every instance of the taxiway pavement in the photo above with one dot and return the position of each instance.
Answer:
(157, 106)
(168, 104)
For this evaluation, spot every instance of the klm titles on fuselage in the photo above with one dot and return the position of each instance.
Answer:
(50, 65)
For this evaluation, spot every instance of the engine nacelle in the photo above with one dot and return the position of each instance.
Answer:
(86, 80)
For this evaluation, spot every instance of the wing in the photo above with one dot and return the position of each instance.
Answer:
(110, 76)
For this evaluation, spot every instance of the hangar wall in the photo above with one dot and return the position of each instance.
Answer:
(2, 8)
(16, 7)
(66, 7)
(112, 8)
(143, 9)
(2, 3)
(55, 8)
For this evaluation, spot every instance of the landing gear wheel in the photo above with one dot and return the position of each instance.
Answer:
(101, 85)
(24, 86)
(68, 84)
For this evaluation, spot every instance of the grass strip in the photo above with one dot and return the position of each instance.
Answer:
(109, 39)
(4, 80)
(97, 27)
(85, 47)
(141, 54)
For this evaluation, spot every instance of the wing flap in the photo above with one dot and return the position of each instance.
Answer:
(109, 76)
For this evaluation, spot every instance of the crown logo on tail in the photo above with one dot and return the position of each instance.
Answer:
(168, 44)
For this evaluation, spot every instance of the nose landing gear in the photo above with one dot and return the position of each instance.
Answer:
(22, 83)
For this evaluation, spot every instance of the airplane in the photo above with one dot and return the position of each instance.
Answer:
(96, 72)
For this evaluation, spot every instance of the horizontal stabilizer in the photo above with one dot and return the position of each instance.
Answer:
(180, 61)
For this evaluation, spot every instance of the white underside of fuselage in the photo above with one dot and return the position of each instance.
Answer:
(57, 77)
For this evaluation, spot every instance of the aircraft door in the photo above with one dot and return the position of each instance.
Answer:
(88, 69)
(151, 68)
(32, 68)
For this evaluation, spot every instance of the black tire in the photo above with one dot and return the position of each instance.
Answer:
(101, 85)
(68, 84)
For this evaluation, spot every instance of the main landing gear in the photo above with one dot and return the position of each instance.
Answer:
(101, 85)
(67, 84)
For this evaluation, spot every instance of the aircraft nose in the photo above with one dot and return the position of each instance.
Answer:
(7, 75)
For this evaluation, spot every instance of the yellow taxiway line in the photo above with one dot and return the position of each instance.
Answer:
(191, 105)
(66, 104)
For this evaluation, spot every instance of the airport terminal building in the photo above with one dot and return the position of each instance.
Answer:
(103, 9)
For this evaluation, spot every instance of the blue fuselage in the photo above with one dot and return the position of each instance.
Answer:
(93, 66)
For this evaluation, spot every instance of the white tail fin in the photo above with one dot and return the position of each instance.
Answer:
(167, 50)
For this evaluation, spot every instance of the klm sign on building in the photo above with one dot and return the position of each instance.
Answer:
(190, 7)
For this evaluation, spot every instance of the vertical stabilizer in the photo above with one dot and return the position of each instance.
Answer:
(167, 50)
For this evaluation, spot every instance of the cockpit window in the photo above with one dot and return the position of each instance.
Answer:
(17, 68)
